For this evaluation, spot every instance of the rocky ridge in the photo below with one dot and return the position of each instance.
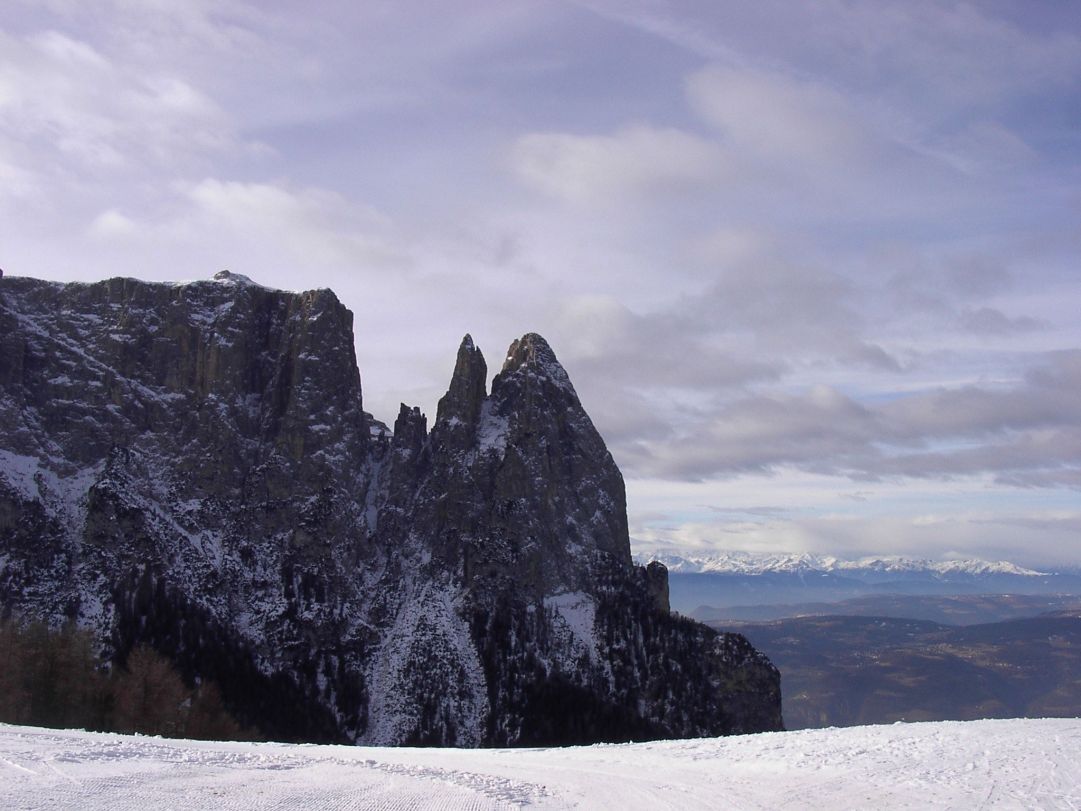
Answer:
(190, 465)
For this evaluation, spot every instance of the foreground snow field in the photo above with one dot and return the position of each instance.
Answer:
(976, 764)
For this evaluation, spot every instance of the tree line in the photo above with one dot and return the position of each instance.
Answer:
(54, 678)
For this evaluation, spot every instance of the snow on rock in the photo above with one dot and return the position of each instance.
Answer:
(237, 279)
(575, 613)
(975, 764)
(427, 665)
(19, 472)
(492, 432)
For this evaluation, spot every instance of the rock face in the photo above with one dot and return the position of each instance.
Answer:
(190, 466)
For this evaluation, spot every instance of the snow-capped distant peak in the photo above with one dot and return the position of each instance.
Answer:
(750, 563)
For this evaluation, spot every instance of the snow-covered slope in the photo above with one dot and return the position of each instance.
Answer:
(975, 764)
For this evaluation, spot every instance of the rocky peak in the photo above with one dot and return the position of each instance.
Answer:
(410, 430)
(532, 355)
(530, 348)
(190, 466)
(468, 388)
(656, 578)
(546, 496)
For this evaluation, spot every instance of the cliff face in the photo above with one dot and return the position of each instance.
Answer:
(190, 465)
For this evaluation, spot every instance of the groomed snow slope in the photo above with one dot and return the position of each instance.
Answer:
(976, 764)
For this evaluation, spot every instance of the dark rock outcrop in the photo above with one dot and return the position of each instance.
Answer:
(190, 466)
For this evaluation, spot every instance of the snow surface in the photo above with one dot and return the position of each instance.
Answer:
(974, 764)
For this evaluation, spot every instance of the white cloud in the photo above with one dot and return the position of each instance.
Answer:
(966, 517)
(942, 57)
(112, 224)
(983, 148)
(270, 229)
(935, 537)
(317, 227)
(727, 247)
(632, 163)
(66, 51)
(78, 124)
(779, 118)
(1024, 435)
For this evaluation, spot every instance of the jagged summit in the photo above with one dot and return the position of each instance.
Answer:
(530, 349)
(523, 350)
(468, 387)
(191, 467)
(532, 356)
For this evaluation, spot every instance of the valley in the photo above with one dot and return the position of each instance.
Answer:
(850, 670)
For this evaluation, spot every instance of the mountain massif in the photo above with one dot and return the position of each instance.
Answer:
(189, 466)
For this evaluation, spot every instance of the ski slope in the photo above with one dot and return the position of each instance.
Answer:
(975, 764)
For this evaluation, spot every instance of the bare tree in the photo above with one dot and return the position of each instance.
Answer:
(150, 696)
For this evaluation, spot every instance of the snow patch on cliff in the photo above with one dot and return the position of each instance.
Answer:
(19, 472)
(574, 613)
(492, 430)
(427, 661)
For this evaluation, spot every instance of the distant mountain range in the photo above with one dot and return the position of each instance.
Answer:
(738, 585)
(750, 563)
(883, 639)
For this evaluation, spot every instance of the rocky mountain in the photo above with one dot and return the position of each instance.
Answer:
(190, 466)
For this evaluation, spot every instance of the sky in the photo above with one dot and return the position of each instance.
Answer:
(813, 268)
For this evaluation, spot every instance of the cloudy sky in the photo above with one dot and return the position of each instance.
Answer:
(813, 267)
